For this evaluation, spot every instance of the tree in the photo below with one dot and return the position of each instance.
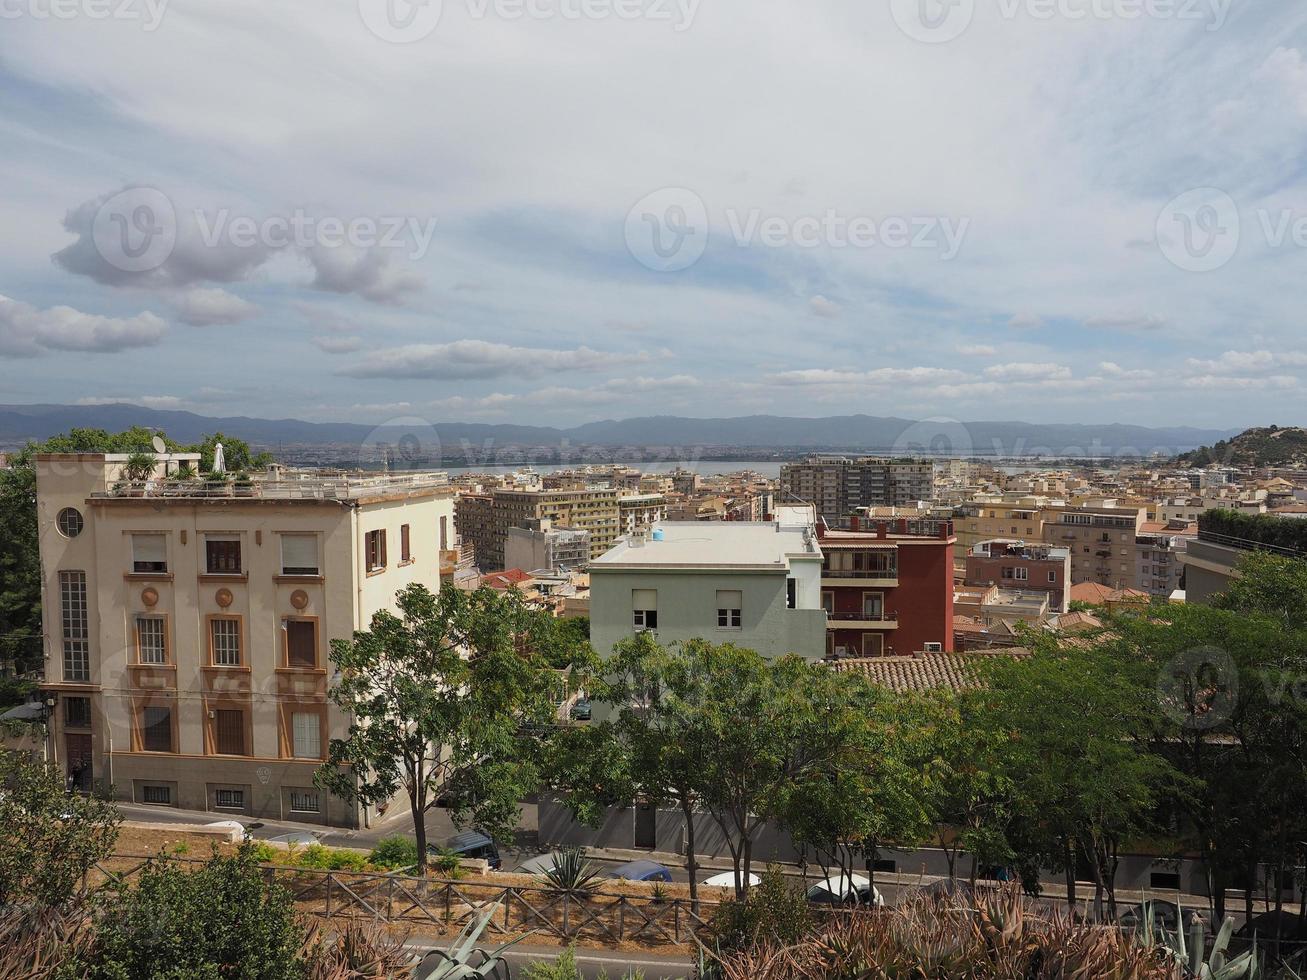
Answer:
(237, 454)
(220, 920)
(51, 838)
(446, 701)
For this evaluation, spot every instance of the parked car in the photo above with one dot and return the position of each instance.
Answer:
(1268, 924)
(538, 865)
(727, 880)
(641, 871)
(582, 710)
(845, 890)
(300, 838)
(471, 845)
(1165, 915)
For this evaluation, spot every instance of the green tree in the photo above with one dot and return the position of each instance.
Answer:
(221, 920)
(237, 454)
(51, 838)
(446, 700)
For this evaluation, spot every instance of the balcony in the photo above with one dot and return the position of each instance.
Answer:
(861, 621)
(851, 578)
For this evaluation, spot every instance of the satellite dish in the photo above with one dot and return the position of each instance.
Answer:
(159, 445)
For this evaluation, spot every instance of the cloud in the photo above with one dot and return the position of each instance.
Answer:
(1256, 363)
(163, 402)
(1127, 321)
(480, 359)
(976, 350)
(371, 273)
(1024, 371)
(876, 377)
(339, 345)
(211, 307)
(613, 391)
(1025, 321)
(26, 331)
(823, 307)
(1111, 369)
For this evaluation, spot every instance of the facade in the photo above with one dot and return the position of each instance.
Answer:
(1158, 549)
(188, 626)
(540, 546)
(888, 589)
(757, 585)
(838, 485)
(1101, 541)
(982, 520)
(1023, 567)
(638, 511)
(484, 519)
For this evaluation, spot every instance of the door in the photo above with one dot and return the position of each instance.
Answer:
(78, 754)
(873, 645)
(873, 606)
(646, 826)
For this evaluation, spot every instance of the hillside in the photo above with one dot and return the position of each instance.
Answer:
(1271, 446)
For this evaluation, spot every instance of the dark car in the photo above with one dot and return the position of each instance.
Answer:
(582, 710)
(641, 871)
(471, 844)
(1270, 924)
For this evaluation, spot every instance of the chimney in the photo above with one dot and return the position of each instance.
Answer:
(855, 523)
(882, 530)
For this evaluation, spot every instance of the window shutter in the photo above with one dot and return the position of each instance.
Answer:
(644, 598)
(307, 735)
(149, 548)
(301, 643)
(299, 554)
(729, 599)
(230, 728)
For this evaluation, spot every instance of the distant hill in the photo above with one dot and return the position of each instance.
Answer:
(1271, 446)
(19, 423)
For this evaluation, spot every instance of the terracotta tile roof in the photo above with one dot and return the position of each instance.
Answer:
(506, 579)
(1078, 622)
(930, 670)
(1092, 593)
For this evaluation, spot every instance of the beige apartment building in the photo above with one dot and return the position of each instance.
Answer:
(981, 521)
(484, 519)
(1101, 541)
(188, 625)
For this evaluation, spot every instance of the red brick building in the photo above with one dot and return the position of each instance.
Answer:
(1012, 564)
(887, 587)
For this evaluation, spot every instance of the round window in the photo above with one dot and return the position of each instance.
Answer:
(70, 522)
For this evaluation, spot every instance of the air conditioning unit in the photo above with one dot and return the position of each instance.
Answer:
(934, 648)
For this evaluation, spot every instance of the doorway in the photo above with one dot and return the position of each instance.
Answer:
(646, 826)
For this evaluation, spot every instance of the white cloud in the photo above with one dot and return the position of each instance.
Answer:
(976, 350)
(26, 331)
(823, 307)
(1257, 362)
(338, 345)
(876, 377)
(1127, 321)
(1026, 371)
(479, 359)
(1025, 321)
(210, 307)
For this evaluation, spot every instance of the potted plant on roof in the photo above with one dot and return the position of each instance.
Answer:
(244, 485)
(138, 469)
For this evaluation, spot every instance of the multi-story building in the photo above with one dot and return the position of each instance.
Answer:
(982, 520)
(1158, 547)
(638, 511)
(757, 585)
(484, 519)
(1101, 541)
(189, 624)
(838, 485)
(542, 547)
(1027, 567)
(888, 588)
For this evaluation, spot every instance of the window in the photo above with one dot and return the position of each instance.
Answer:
(828, 602)
(405, 550)
(151, 640)
(156, 729)
(1052, 576)
(374, 546)
(1022, 574)
(76, 628)
(301, 643)
(1007, 573)
(791, 593)
(229, 799)
(873, 606)
(149, 554)
(729, 606)
(644, 603)
(304, 801)
(1164, 880)
(229, 731)
(158, 795)
(299, 554)
(306, 735)
(77, 712)
(444, 534)
(225, 641)
(222, 555)
(69, 522)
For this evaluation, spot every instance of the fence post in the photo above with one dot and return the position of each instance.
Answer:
(328, 894)
(621, 918)
(567, 931)
(676, 920)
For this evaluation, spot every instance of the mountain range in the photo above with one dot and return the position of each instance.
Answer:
(19, 423)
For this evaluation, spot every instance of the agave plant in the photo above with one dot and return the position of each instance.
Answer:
(1190, 955)
(455, 963)
(571, 871)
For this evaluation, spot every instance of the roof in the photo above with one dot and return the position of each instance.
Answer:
(1091, 592)
(954, 671)
(506, 579)
(1077, 622)
(699, 544)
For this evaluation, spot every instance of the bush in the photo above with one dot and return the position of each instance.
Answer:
(316, 857)
(571, 872)
(265, 853)
(563, 968)
(775, 912)
(394, 852)
(1267, 529)
(444, 861)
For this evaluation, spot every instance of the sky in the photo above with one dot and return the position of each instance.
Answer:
(554, 211)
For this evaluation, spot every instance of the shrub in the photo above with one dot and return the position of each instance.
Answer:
(445, 862)
(394, 852)
(571, 872)
(775, 912)
(317, 857)
(265, 853)
(563, 968)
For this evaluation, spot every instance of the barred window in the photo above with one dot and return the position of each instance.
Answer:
(159, 795)
(225, 637)
(76, 626)
(304, 801)
(229, 799)
(151, 640)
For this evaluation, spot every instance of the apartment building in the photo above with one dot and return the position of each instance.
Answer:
(637, 511)
(757, 585)
(1027, 567)
(188, 625)
(484, 519)
(887, 588)
(1101, 542)
(542, 547)
(982, 520)
(1159, 569)
(838, 485)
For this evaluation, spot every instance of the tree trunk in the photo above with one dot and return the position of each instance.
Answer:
(1070, 859)
(687, 808)
(418, 804)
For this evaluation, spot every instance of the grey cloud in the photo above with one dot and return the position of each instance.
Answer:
(26, 331)
(211, 307)
(370, 273)
(338, 345)
(479, 359)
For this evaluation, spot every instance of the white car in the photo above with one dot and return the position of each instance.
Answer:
(727, 880)
(845, 890)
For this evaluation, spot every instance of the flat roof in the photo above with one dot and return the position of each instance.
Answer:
(714, 544)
